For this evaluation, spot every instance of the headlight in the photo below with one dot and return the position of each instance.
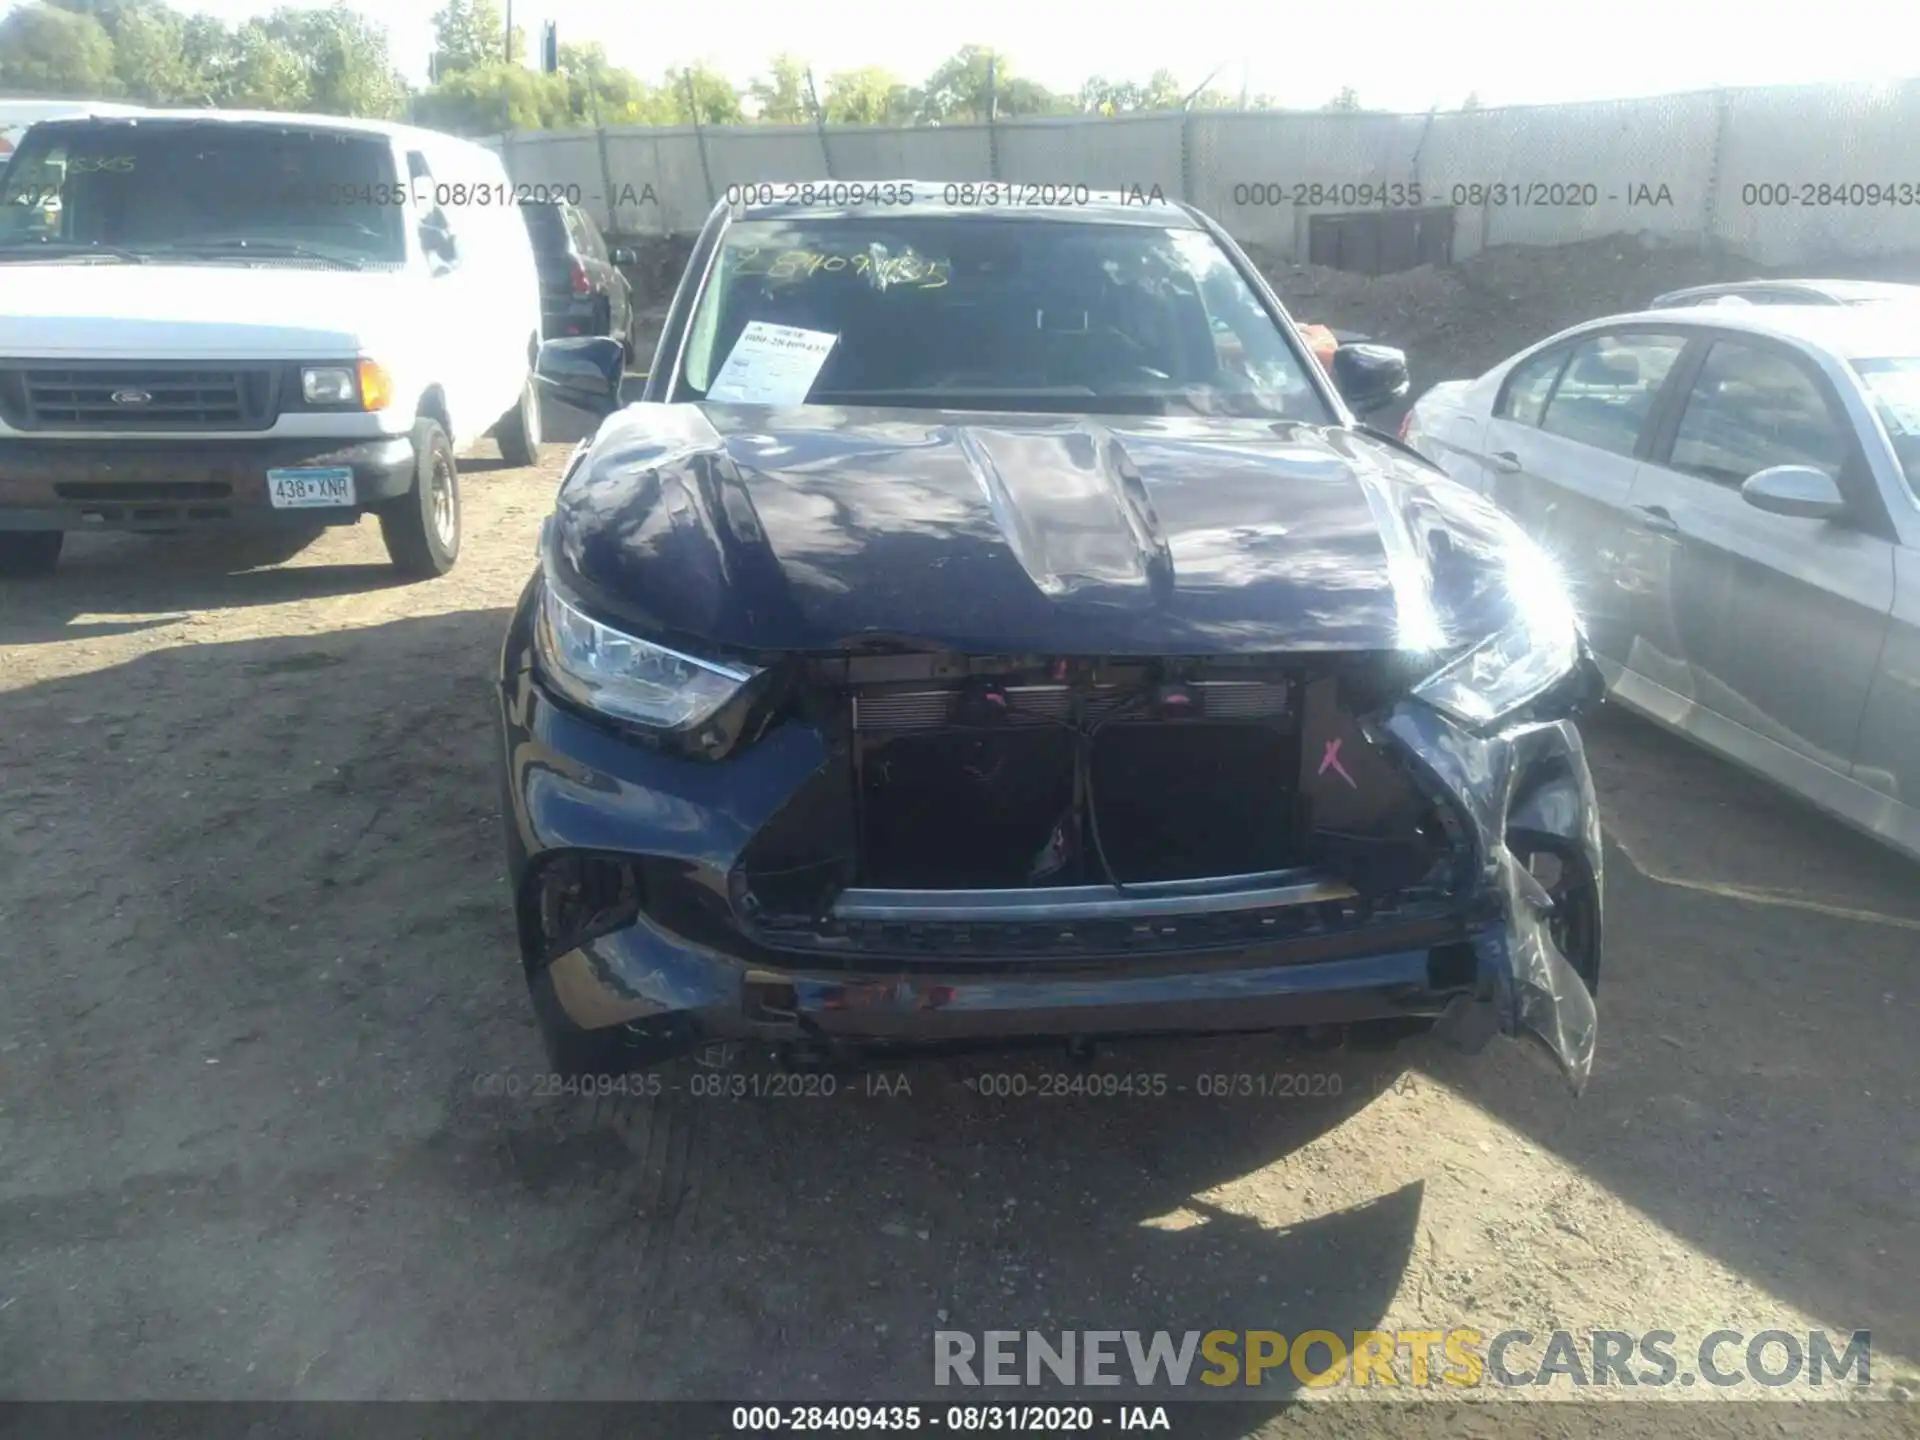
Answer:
(364, 383)
(1524, 659)
(626, 677)
(329, 385)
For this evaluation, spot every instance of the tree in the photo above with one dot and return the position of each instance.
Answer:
(466, 35)
(782, 95)
(45, 50)
(348, 69)
(492, 98)
(266, 73)
(1346, 101)
(153, 61)
(1101, 96)
(1472, 102)
(719, 102)
(960, 90)
(869, 96)
(600, 92)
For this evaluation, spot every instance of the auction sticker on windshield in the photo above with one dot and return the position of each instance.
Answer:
(309, 488)
(771, 365)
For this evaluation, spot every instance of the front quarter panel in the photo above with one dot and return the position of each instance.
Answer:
(1526, 784)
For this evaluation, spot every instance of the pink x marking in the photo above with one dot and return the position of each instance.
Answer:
(1330, 760)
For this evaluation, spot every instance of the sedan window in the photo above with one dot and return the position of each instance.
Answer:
(1607, 393)
(1524, 397)
(1894, 387)
(1753, 408)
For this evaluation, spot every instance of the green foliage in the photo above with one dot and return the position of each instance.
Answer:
(1346, 101)
(467, 35)
(329, 60)
(335, 60)
(345, 60)
(870, 96)
(495, 96)
(978, 78)
(45, 50)
(1101, 96)
(780, 96)
(718, 101)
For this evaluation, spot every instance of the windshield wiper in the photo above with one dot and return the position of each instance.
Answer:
(267, 247)
(70, 250)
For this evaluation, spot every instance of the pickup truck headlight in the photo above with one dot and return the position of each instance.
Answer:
(626, 677)
(1521, 661)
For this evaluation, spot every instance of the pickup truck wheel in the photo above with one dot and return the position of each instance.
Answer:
(422, 527)
(30, 552)
(518, 432)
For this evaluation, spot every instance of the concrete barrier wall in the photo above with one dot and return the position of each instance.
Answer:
(1784, 174)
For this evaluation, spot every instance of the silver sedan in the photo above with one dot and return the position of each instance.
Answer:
(1734, 494)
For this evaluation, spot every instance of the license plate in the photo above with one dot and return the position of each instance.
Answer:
(311, 488)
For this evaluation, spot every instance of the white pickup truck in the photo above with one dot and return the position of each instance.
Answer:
(218, 319)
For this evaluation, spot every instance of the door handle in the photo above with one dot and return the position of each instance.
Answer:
(1506, 462)
(1656, 519)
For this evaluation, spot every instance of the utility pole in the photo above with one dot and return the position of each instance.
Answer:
(509, 41)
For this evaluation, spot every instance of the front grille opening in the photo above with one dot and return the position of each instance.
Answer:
(1452, 967)
(578, 896)
(954, 810)
(1184, 801)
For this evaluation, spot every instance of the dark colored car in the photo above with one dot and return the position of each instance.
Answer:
(1789, 292)
(967, 640)
(582, 291)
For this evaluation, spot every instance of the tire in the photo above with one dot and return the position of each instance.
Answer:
(422, 527)
(30, 552)
(519, 433)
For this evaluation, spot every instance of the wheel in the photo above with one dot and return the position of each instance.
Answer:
(422, 527)
(29, 552)
(519, 430)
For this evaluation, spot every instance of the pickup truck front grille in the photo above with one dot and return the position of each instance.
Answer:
(138, 396)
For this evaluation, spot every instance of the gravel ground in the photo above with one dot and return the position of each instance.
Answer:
(255, 956)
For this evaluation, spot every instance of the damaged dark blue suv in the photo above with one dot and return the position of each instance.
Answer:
(993, 625)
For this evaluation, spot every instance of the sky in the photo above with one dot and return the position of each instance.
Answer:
(1397, 54)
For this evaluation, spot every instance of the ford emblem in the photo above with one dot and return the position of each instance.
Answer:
(132, 397)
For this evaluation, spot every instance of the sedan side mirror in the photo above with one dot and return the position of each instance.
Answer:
(620, 255)
(1796, 490)
(583, 372)
(1370, 377)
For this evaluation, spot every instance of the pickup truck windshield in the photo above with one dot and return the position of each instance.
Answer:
(204, 190)
(1002, 314)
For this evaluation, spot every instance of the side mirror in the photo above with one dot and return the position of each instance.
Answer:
(1370, 377)
(438, 243)
(620, 255)
(583, 372)
(1796, 490)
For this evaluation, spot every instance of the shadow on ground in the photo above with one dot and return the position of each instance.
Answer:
(272, 965)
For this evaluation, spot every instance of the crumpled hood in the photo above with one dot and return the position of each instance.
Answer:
(816, 528)
(155, 311)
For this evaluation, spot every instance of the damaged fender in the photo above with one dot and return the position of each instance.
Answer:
(1528, 784)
